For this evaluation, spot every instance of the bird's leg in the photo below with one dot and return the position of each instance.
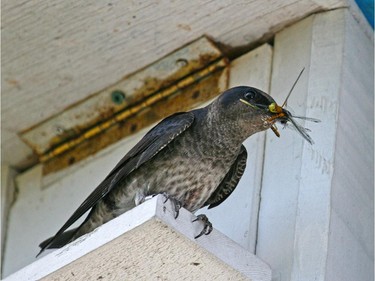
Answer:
(207, 225)
(175, 202)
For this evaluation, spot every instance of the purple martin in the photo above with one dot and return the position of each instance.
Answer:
(196, 158)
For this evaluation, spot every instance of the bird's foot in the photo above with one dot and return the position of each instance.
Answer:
(177, 205)
(207, 225)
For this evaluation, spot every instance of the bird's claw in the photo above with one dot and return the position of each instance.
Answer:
(207, 225)
(177, 205)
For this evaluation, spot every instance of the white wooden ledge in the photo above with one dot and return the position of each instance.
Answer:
(147, 243)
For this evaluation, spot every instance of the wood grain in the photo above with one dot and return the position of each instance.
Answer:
(56, 53)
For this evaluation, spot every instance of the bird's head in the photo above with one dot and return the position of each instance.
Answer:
(253, 111)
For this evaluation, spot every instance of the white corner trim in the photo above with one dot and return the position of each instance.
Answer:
(216, 243)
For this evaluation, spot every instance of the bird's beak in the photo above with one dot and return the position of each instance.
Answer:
(276, 110)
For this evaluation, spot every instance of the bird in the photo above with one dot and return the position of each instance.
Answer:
(196, 158)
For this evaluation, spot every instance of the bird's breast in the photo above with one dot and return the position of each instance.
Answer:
(190, 168)
(189, 179)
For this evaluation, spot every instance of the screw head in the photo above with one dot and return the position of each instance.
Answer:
(118, 96)
(182, 62)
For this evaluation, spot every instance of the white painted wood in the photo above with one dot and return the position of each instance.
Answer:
(352, 219)
(7, 197)
(317, 167)
(237, 217)
(24, 222)
(316, 215)
(153, 210)
(58, 53)
(283, 155)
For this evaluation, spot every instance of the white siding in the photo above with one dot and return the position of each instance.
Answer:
(351, 241)
(316, 215)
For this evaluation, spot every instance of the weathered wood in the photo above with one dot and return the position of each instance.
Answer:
(57, 53)
(148, 243)
(135, 93)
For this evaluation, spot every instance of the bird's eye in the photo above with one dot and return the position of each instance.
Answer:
(249, 95)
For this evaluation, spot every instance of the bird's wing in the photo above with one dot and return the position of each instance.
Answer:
(153, 142)
(230, 181)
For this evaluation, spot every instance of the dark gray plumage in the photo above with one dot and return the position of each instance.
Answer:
(196, 157)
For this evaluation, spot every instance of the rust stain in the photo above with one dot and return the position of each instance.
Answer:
(194, 82)
(182, 100)
(70, 138)
(153, 84)
(150, 86)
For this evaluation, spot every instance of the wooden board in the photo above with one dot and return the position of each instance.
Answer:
(148, 243)
(316, 215)
(352, 218)
(55, 54)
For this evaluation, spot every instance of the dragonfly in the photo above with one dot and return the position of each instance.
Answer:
(286, 118)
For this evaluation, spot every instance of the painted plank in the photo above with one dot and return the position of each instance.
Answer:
(300, 202)
(8, 190)
(84, 257)
(352, 221)
(59, 53)
(237, 217)
(283, 156)
(317, 166)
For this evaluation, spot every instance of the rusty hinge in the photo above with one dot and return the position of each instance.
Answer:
(183, 79)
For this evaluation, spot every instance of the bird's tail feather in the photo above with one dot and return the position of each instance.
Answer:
(59, 241)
